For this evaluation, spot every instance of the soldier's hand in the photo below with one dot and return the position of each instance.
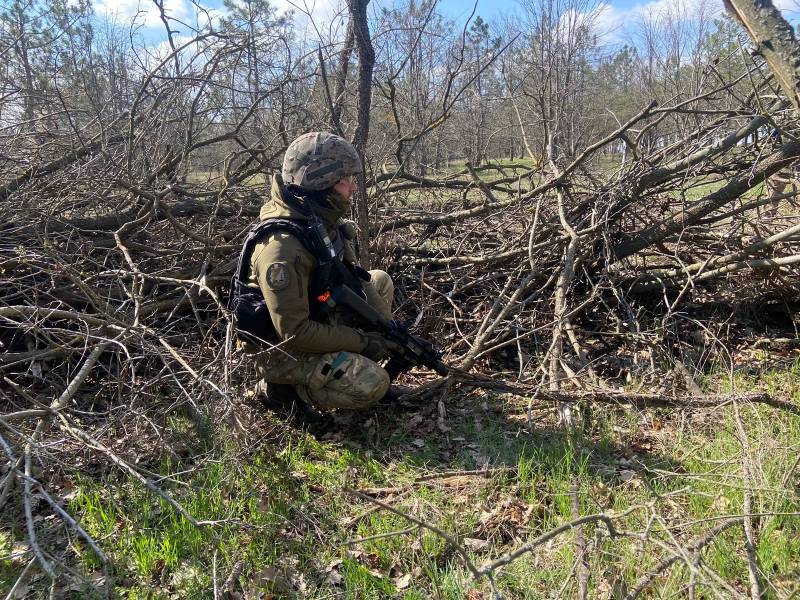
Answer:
(377, 347)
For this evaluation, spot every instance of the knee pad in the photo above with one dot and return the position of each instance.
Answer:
(345, 380)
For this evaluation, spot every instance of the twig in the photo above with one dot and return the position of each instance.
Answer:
(580, 542)
(644, 582)
(233, 576)
(750, 543)
(57, 405)
(214, 574)
(634, 399)
(381, 536)
(459, 549)
(124, 465)
(37, 551)
(507, 559)
(12, 591)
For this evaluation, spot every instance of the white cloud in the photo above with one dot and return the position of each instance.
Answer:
(676, 11)
(607, 19)
(311, 16)
(615, 25)
(692, 9)
(143, 12)
(612, 25)
(208, 18)
(604, 20)
(789, 8)
(149, 56)
(163, 49)
(326, 15)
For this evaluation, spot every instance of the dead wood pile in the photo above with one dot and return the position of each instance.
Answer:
(115, 253)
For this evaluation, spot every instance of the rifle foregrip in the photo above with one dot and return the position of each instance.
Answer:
(418, 351)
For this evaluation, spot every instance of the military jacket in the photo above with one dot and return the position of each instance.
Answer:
(282, 268)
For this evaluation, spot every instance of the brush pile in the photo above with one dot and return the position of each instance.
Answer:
(639, 257)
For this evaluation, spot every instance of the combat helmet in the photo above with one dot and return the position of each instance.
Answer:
(318, 160)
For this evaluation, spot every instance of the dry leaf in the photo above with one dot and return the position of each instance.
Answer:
(373, 561)
(18, 552)
(475, 543)
(75, 585)
(505, 519)
(333, 576)
(270, 578)
(21, 591)
(413, 421)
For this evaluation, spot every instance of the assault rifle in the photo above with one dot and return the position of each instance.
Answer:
(415, 351)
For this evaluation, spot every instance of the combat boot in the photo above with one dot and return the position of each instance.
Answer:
(393, 395)
(284, 400)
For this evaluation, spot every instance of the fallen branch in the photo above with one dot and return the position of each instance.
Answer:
(659, 231)
(644, 582)
(634, 399)
(507, 559)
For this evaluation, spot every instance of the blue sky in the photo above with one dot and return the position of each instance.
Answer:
(610, 16)
(458, 10)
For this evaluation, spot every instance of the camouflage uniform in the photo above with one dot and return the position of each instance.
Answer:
(322, 360)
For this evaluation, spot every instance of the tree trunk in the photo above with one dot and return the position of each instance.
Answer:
(341, 79)
(774, 40)
(366, 62)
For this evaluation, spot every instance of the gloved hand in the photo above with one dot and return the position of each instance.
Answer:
(377, 347)
(348, 229)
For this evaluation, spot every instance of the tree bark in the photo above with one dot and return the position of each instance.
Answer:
(366, 63)
(341, 77)
(774, 40)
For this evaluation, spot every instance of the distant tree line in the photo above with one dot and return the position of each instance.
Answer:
(440, 93)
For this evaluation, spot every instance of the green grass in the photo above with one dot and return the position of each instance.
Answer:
(283, 512)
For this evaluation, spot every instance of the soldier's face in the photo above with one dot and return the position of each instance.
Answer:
(346, 186)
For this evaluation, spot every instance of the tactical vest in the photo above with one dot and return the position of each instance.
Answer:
(247, 303)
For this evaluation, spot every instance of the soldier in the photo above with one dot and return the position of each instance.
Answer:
(323, 357)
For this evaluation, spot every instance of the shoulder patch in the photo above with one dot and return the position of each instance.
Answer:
(278, 276)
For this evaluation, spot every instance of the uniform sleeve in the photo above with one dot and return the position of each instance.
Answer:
(283, 268)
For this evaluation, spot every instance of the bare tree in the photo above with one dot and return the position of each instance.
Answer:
(366, 63)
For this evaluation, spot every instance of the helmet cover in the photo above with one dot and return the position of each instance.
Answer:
(318, 160)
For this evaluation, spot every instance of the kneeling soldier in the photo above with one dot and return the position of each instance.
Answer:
(321, 354)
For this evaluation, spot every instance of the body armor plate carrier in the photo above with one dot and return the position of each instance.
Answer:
(247, 304)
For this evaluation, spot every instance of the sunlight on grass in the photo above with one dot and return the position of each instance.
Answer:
(285, 510)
